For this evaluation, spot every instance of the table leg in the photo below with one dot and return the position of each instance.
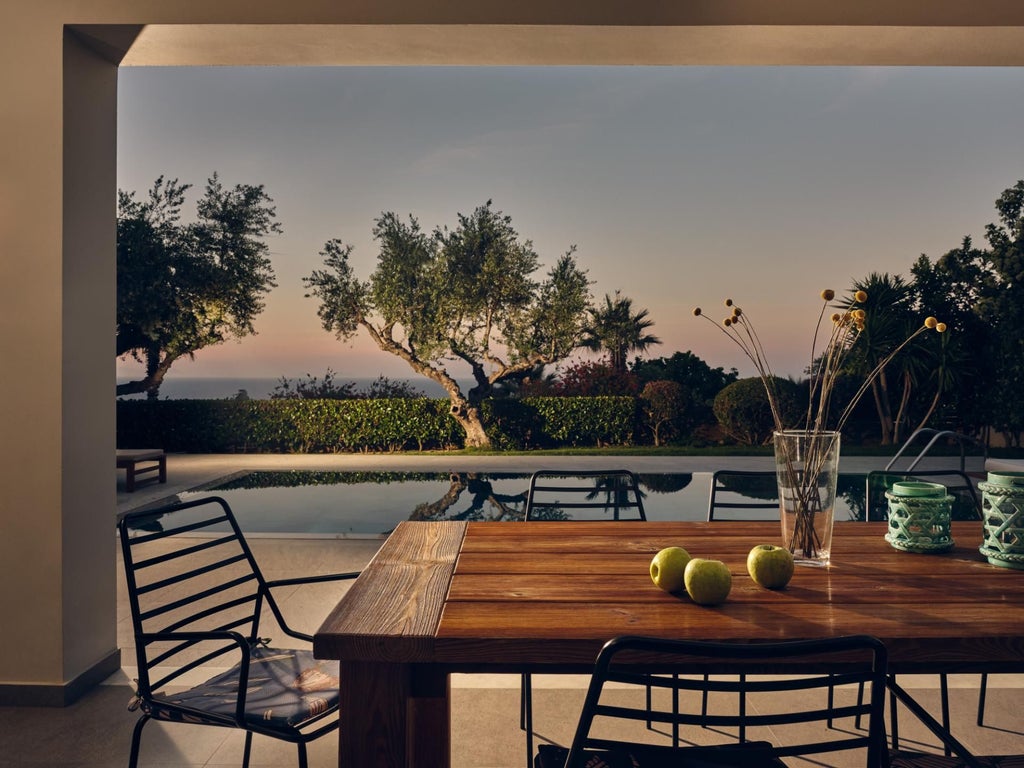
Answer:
(394, 716)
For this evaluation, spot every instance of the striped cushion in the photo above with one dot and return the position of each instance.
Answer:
(287, 687)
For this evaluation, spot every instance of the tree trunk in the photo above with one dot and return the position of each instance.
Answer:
(468, 416)
(151, 384)
(880, 391)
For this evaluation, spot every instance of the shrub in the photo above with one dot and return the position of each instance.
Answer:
(743, 411)
(664, 405)
(297, 425)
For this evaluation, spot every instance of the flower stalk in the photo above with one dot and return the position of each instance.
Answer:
(800, 473)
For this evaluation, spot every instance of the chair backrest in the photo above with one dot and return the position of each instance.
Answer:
(605, 494)
(743, 495)
(784, 714)
(189, 572)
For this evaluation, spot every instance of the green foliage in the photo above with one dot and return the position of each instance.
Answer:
(296, 425)
(617, 329)
(593, 379)
(577, 421)
(743, 411)
(287, 426)
(700, 384)
(468, 295)
(664, 404)
(329, 388)
(184, 287)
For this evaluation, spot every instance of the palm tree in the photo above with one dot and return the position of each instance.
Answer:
(889, 315)
(616, 329)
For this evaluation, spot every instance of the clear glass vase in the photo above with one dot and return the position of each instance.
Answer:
(807, 468)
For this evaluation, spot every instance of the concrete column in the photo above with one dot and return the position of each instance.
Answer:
(57, 288)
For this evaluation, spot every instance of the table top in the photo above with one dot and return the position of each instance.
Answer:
(545, 596)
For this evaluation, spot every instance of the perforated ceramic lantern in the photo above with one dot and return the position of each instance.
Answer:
(919, 517)
(1002, 509)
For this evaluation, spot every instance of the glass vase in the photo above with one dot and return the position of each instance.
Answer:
(807, 468)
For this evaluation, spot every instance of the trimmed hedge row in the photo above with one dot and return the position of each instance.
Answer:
(342, 426)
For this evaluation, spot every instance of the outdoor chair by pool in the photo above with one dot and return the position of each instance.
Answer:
(561, 494)
(787, 718)
(196, 596)
(956, 755)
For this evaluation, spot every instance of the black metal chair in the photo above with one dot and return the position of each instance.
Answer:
(554, 496)
(558, 494)
(743, 495)
(196, 597)
(785, 709)
(956, 755)
(960, 485)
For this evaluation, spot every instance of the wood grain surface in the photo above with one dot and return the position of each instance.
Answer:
(442, 597)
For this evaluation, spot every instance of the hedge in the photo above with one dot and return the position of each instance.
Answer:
(343, 426)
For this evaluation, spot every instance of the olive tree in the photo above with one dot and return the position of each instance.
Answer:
(185, 286)
(467, 295)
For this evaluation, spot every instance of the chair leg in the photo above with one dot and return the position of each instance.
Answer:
(302, 755)
(944, 698)
(743, 708)
(526, 702)
(133, 758)
(830, 702)
(524, 693)
(704, 702)
(893, 718)
(982, 690)
(248, 749)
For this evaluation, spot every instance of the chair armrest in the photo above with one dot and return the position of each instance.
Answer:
(312, 579)
(192, 638)
(299, 581)
(932, 724)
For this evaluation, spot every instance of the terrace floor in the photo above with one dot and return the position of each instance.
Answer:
(95, 732)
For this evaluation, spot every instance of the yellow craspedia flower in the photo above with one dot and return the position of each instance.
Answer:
(836, 317)
(728, 302)
(696, 311)
(930, 322)
(940, 327)
(727, 322)
(859, 315)
(860, 297)
(736, 312)
(828, 294)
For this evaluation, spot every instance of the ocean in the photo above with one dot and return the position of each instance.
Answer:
(260, 388)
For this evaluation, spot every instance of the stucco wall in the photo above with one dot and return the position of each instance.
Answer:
(57, 177)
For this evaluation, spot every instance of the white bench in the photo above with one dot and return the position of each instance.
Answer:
(152, 459)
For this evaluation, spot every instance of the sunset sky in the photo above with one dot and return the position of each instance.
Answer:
(679, 186)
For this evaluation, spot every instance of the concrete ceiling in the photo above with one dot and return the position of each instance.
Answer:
(557, 44)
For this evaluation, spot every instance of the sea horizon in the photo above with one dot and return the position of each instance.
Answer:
(260, 388)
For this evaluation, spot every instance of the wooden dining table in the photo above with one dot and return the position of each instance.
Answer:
(444, 597)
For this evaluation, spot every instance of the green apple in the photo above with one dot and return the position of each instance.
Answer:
(770, 566)
(667, 568)
(707, 581)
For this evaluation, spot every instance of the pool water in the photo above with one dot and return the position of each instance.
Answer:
(370, 504)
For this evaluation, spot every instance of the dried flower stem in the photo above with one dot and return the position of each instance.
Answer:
(801, 473)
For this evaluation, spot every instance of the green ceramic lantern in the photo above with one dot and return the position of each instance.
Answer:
(919, 517)
(1002, 510)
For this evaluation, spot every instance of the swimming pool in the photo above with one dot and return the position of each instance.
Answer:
(370, 504)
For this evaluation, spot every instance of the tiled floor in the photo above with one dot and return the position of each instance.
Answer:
(96, 731)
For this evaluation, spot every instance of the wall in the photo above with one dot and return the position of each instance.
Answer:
(57, 179)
